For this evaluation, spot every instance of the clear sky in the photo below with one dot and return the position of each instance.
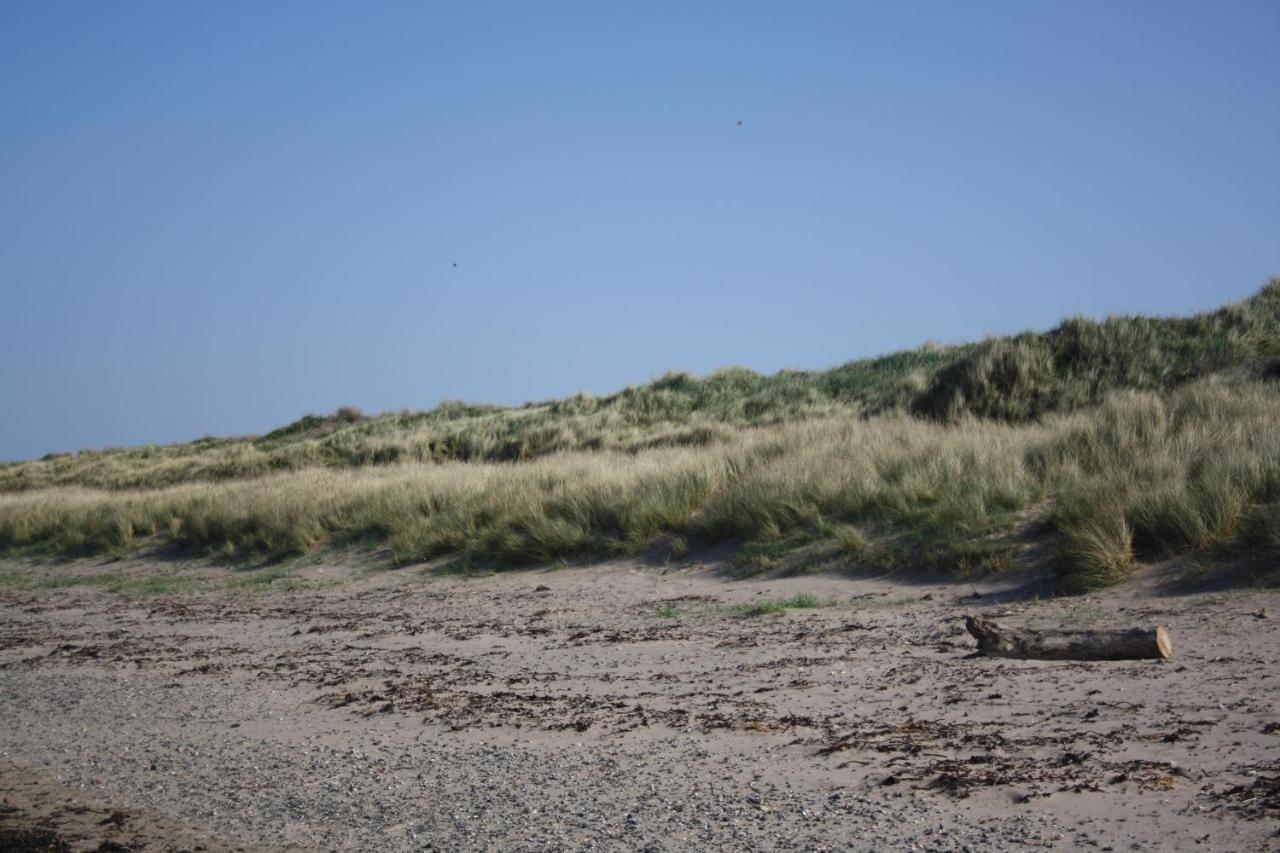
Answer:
(218, 216)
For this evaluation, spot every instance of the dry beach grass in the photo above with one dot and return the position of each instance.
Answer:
(1143, 475)
(1130, 439)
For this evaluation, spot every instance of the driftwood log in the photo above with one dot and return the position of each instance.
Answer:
(1123, 644)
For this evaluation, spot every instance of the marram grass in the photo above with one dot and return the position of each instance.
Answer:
(1126, 440)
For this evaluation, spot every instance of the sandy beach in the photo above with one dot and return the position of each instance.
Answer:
(623, 705)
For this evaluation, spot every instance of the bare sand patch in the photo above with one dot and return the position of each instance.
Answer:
(625, 706)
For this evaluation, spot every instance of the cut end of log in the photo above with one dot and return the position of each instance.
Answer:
(1163, 643)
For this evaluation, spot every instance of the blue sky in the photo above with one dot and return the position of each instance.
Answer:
(216, 217)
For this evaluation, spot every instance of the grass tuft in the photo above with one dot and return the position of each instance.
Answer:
(1097, 550)
(799, 601)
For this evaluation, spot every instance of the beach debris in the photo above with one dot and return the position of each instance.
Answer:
(996, 640)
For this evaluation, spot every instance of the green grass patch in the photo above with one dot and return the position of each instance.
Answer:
(258, 580)
(799, 601)
(747, 610)
(877, 602)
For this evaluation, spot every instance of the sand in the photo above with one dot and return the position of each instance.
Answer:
(624, 705)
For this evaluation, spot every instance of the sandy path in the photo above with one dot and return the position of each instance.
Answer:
(621, 707)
